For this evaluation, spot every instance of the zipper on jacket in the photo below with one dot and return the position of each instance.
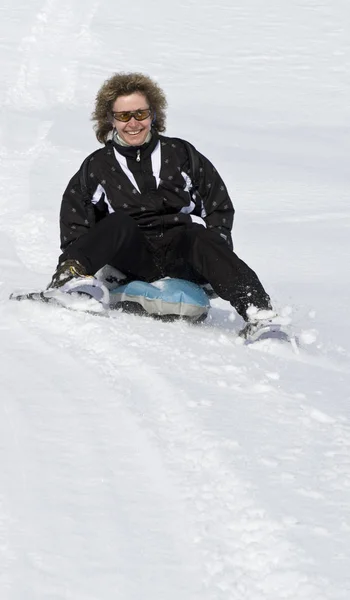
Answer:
(138, 157)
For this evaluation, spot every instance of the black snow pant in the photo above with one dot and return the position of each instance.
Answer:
(192, 252)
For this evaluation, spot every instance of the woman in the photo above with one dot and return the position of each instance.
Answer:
(134, 205)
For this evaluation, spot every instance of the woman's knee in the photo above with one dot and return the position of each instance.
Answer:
(207, 236)
(121, 217)
(118, 223)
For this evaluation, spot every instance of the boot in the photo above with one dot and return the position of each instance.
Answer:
(262, 319)
(67, 270)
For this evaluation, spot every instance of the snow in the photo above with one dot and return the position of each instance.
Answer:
(149, 460)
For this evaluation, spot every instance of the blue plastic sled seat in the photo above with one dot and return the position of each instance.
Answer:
(166, 299)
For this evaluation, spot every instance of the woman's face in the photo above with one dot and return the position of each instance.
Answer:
(133, 132)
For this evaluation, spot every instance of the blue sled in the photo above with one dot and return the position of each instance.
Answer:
(166, 299)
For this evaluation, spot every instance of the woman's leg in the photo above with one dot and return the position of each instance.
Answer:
(115, 240)
(209, 256)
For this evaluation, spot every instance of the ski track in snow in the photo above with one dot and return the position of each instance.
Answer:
(148, 460)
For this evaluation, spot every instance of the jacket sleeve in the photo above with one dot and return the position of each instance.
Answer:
(216, 206)
(74, 218)
(77, 213)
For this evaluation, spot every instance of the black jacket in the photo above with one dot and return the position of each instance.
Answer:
(152, 184)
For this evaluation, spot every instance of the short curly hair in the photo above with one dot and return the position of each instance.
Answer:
(123, 84)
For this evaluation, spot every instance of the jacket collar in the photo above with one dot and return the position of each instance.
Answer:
(133, 152)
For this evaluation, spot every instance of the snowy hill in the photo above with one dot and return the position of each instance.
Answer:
(143, 460)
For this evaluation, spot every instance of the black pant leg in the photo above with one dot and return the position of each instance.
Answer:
(118, 241)
(209, 256)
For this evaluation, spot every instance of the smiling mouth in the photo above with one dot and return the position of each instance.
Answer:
(133, 132)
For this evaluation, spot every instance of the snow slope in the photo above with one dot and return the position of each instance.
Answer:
(164, 461)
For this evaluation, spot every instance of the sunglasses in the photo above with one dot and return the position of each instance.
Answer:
(126, 115)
